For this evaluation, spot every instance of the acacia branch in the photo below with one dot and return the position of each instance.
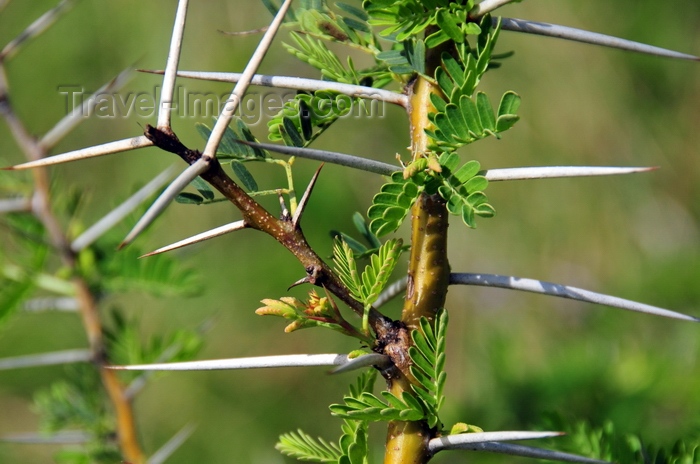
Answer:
(42, 209)
(284, 230)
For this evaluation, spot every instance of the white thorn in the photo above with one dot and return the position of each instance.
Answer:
(216, 232)
(562, 291)
(240, 88)
(46, 359)
(166, 98)
(579, 35)
(459, 441)
(259, 362)
(90, 152)
(300, 83)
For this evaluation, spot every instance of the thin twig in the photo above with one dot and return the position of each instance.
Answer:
(562, 291)
(299, 83)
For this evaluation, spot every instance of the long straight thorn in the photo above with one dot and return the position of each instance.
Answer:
(166, 98)
(85, 153)
(562, 291)
(240, 88)
(216, 232)
(594, 38)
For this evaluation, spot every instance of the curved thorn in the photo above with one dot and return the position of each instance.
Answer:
(46, 359)
(240, 88)
(166, 98)
(34, 29)
(562, 291)
(550, 172)
(579, 35)
(366, 360)
(391, 291)
(165, 451)
(459, 441)
(120, 212)
(80, 113)
(216, 232)
(305, 198)
(298, 83)
(165, 198)
(258, 362)
(85, 153)
(341, 159)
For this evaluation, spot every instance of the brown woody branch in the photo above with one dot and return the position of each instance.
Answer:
(285, 230)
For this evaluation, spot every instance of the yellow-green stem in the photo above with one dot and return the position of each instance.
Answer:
(428, 277)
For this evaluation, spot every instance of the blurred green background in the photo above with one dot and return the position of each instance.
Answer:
(512, 356)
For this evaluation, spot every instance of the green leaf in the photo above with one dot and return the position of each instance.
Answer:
(428, 364)
(376, 275)
(244, 176)
(370, 408)
(159, 275)
(448, 25)
(363, 228)
(486, 115)
(294, 136)
(388, 211)
(361, 14)
(203, 188)
(189, 198)
(302, 446)
(510, 102)
(346, 268)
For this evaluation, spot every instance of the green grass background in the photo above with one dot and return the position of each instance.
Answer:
(512, 357)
